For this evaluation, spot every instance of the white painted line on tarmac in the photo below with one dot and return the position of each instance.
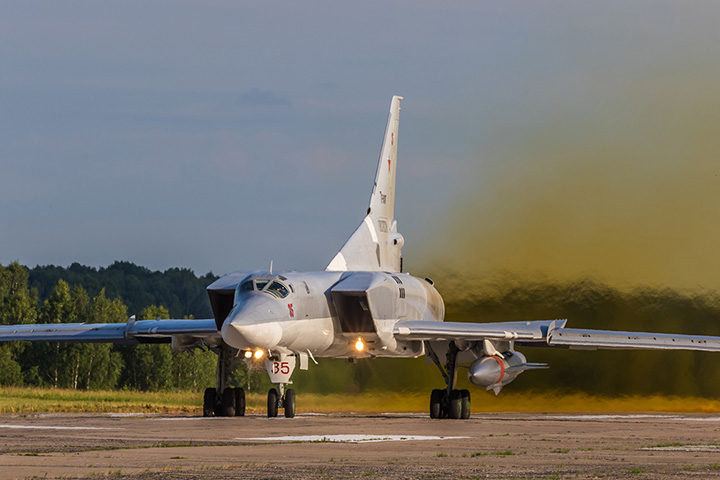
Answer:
(51, 427)
(172, 419)
(205, 419)
(685, 448)
(632, 417)
(351, 438)
(124, 415)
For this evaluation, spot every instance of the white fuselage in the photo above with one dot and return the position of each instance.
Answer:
(326, 313)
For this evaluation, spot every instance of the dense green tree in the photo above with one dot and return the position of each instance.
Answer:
(157, 367)
(100, 364)
(193, 370)
(177, 288)
(148, 366)
(17, 305)
(57, 308)
(73, 354)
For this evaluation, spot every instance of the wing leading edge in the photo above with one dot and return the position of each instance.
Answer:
(131, 332)
(554, 334)
(577, 338)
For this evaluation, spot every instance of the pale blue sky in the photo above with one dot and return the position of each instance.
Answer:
(218, 135)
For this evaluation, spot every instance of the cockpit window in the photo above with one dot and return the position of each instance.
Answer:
(261, 283)
(278, 289)
(246, 286)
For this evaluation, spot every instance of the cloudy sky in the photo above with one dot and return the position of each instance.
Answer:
(219, 135)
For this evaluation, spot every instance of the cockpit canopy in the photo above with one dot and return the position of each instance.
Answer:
(272, 287)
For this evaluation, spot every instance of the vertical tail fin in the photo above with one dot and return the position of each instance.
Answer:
(382, 200)
(376, 245)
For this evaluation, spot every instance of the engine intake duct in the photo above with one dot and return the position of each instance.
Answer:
(353, 312)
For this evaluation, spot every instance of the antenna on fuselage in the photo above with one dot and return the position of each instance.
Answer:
(271, 262)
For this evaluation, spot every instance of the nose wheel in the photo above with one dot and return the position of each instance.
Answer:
(276, 401)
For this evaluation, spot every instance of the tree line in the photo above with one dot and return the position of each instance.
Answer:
(179, 290)
(80, 294)
(84, 294)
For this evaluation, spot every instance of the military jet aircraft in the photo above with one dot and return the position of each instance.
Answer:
(362, 305)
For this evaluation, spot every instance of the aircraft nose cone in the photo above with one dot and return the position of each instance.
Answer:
(251, 325)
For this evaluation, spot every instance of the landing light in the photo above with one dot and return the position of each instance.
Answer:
(258, 354)
(359, 345)
(248, 354)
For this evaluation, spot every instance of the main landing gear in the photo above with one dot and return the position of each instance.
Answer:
(231, 403)
(448, 402)
(224, 401)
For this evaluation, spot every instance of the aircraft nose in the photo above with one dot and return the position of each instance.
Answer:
(253, 324)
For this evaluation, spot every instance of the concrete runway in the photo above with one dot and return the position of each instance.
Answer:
(505, 445)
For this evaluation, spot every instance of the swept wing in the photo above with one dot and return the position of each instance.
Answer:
(554, 334)
(131, 332)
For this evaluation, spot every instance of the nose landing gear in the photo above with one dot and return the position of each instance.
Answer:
(280, 370)
(277, 400)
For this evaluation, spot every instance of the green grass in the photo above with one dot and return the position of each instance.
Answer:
(31, 400)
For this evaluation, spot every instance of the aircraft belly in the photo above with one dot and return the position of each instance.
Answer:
(344, 348)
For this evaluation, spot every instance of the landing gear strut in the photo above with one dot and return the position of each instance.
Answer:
(449, 402)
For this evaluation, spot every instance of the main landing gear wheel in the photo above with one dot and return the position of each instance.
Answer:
(436, 403)
(455, 405)
(209, 402)
(228, 402)
(289, 403)
(272, 403)
(239, 402)
(465, 404)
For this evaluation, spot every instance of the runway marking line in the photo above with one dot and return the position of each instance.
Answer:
(350, 438)
(51, 427)
(684, 448)
(633, 417)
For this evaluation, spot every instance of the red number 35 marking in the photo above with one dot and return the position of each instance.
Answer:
(290, 309)
(281, 367)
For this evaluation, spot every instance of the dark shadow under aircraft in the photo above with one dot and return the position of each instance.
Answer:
(362, 305)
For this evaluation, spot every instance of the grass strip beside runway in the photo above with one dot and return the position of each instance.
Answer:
(33, 400)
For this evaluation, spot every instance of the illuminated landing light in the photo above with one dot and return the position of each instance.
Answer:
(248, 354)
(359, 345)
(258, 354)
